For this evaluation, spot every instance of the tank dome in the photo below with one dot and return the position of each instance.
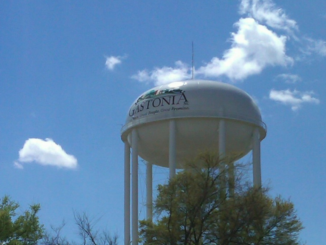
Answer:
(197, 106)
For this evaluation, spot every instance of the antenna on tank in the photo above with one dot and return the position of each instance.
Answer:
(193, 62)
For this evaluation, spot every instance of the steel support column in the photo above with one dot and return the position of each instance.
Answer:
(127, 195)
(256, 158)
(134, 143)
(172, 148)
(149, 191)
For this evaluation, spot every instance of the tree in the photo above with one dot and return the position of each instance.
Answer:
(91, 236)
(210, 203)
(87, 231)
(24, 229)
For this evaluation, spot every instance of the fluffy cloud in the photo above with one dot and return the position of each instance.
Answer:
(165, 74)
(45, 152)
(112, 61)
(267, 13)
(316, 46)
(254, 47)
(293, 98)
(289, 78)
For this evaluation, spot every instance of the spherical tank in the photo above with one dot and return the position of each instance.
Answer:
(196, 106)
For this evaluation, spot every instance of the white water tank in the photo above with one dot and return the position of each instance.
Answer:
(196, 106)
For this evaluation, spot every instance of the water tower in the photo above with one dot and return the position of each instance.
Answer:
(176, 121)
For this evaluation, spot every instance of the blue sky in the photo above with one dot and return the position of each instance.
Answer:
(69, 70)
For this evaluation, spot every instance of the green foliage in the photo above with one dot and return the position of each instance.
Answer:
(24, 229)
(211, 204)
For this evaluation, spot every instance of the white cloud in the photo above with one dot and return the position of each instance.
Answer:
(45, 152)
(254, 47)
(267, 13)
(18, 165)
(293, 98)
(165, 74)
(289, 78)
(142, 76)
(112, 61)
(316, 46)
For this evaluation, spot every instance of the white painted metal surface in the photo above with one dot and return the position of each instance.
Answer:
(134, 187)
(256, 159)
(127, 195)
(172, 148)
(196, 106)
(149, 191)
(221, 138)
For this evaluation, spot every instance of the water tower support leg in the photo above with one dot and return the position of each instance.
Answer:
(134, 223)
(256, 158)
(149, 191)
(172, 148)
(231, 178)
(221, 152)
(221, 140)
(127, 195)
